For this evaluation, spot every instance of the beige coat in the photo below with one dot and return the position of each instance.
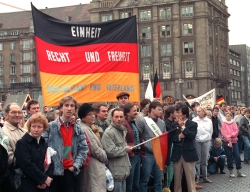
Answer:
(14, 134)
(93, 177)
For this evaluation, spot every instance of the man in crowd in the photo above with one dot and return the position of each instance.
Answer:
(237, 119)
(245, 132)
(143, 104)
(184, 154)
(122, 99)
(169, 116)
(216, 124)
(13, 116)
(194, 111)
(101, 115)
(151, 126)
(222, 110)
(67, 138)
(133, 138)
(115, 145)
(32, 108)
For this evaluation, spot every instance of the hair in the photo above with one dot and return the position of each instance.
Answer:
(51, 115)
(127, 107)
(98, 106)
(38, 117)
(194, 104)
(247, 110)
(164, 104)
(31, 102)
(218, 141)
(223, 103)
(7, 108)
(116, 109)
(203, 110)
(145, 110)
(209, 113)
(216, 108)
(144, 102)
(228, 113)
(153, 105)
(170, 109)
(184, 109)
(68, 98)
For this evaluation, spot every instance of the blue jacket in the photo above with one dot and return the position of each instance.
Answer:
(216, 152)
(54, 139)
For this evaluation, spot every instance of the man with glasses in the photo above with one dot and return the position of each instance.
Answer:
(13, 116)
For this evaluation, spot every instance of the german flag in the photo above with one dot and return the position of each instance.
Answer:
(220, 99)
(157, 87)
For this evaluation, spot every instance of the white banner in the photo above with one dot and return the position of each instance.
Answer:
(208, 98)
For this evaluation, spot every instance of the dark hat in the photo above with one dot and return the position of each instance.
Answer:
(84, 109)
(122, 94)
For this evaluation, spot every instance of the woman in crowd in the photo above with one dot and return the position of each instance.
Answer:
(30, 155)
(229, 131)
(92, 177)
(202, 143)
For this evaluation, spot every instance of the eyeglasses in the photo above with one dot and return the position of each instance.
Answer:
(16, 112)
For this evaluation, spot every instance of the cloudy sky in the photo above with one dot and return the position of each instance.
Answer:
(238, 23)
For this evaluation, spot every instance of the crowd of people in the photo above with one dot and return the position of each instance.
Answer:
(89, 138)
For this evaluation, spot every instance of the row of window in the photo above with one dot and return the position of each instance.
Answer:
(236, 94)
(166, 49)
(26, 57)
(234, 72)
(146, 15)
(236, 83)
(13, 33)
(234, 62)
(25, 44)
(24, 69)
(23, 80)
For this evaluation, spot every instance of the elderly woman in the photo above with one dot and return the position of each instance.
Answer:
(30, 154)
(92, 177)
(202, 143)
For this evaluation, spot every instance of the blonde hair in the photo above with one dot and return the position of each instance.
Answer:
(228, 113)
(38, 117)
(218, 141)
(203, 110)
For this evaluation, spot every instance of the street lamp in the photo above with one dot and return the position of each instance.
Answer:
(180, 83)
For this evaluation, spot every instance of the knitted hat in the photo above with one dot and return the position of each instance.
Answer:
(84, 109)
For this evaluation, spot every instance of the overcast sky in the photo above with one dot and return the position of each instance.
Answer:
(238, 23)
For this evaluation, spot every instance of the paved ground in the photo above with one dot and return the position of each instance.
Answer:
(223, 183)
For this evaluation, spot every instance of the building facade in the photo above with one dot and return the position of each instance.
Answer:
(244, 52)
(19, 71)
(235, 89)
(186, 42)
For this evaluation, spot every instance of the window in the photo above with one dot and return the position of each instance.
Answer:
(166, 49)
(12, 80)
(231, 61)
(145, 15)
(234, 62)
(25, 79)
(188, 47)
(15, 32)
(26, 68)
(189, 69)
(66, 18)
(26, 44)
(190, 85)
(146, 71)
(1, 70)
(235, 94)
(145, 32)
(187, 29)
(165, 31)
(239, 95)
(167, 86)
(106, 17)
(12, 58)
(165, 13)
(238, 73)
(125, 15)
(3, 33)
(26, 56)
(12, 70)
(1, 83)
(187, 11)
(239, 83)
(235, 72)
(238, 63)
(1, 46)
(146, 50)
(231, 71)
(12, 45)
(235, 83)
(166, 70)
(1, 58)
(232, 94)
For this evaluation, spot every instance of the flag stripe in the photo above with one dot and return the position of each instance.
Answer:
(98, 87)
(86, 59)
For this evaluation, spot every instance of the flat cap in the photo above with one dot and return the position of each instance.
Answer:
(122, 94)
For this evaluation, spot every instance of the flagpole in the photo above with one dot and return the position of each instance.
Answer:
(153, 138)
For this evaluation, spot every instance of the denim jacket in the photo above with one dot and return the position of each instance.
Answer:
(54, 139)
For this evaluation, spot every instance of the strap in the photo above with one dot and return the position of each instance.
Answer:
(153, 126)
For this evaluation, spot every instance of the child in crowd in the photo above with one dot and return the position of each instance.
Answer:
(217, 157)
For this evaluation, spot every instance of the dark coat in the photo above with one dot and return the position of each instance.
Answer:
(3, 162)
(216, 152)
(168, 124)
(244, 127)
(215, 122)
(30, 159)
(184, 147)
